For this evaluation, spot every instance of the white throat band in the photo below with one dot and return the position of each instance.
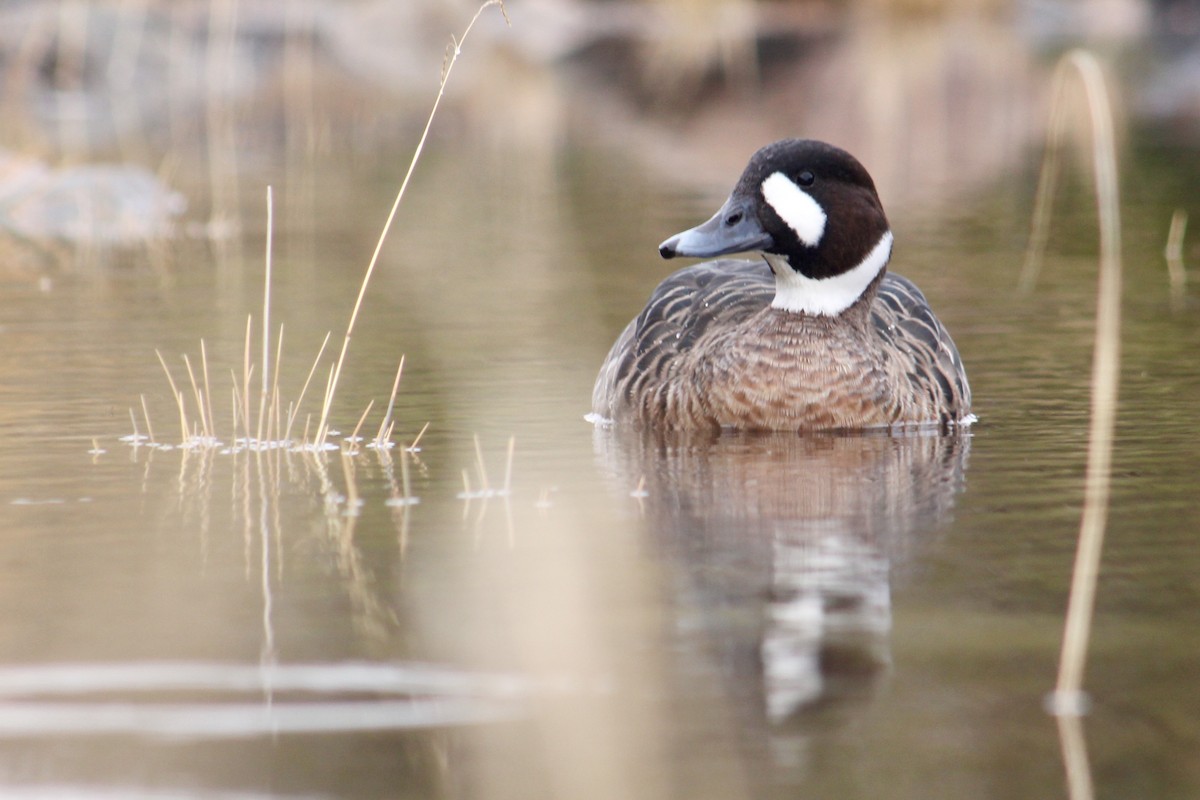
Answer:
(827, 296)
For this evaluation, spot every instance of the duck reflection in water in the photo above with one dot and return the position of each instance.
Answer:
(784, 546)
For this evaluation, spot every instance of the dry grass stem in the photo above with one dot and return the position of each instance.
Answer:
(198, 393)
(272, 426)
(266, 319)
(266, 402)
(274, 420)
(183, 426)
(146, 414)
(238, 410)
(247, 368)
(1174, 253)
(447, 68)
(354, 436)
(1042, 205)
(1075, 758)
(304, 389)
(207, 410)
(326, 402)
(1068, 698)
(385, 426)
(415, 442)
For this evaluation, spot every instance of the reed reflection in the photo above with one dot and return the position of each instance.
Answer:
(785, 545)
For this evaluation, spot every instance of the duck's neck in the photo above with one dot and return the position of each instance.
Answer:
(828, 296)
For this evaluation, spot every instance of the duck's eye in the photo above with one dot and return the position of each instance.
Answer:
(806, 178)
(734, 218)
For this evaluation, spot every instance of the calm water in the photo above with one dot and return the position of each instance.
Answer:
(754, 616)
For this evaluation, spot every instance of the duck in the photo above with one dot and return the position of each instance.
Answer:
(815, 335)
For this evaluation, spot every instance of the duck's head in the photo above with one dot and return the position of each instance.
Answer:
(812, 210)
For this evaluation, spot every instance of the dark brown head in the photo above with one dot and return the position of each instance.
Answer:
(812, 210)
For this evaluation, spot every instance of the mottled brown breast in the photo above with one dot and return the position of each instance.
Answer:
(708, 352)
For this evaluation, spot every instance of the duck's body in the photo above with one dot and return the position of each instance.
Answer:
(817, 336)
(709, 351)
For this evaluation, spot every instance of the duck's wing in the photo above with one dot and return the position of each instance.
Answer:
(902, 315)
(683, 308)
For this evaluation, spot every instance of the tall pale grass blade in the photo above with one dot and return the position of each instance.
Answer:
(236, 406)
(238, 409)
(386, 425)
(1075, 757)
(481, 466)
(178, 395)
(207, 410)
(146, 414)
(358, 427)
(299, 400)
(417, 441)
(1043, 199)
(322, 427)
(274, 419)
(1173, 253)
(266, 318)
(247, 368)
(199, 395)
(1068, 698)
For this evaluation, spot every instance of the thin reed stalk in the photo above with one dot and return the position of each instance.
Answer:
(1173, 253)
(447, 68)
(354, 436)
(273, 421)
(146, 414)
(235, 404)
(385, 427)
(238, 409)
(295, 409)
(264, 396)
(1068, 698)
(1075, 758)
(247, 369)
(415, 446)
(206, 410)
(178, 395)
(199, 394)
(485, 487)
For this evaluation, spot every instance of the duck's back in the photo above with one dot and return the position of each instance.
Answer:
(914, 337)
(708, 351)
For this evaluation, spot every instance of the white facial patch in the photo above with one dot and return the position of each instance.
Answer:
(827, 296)
(796, 207)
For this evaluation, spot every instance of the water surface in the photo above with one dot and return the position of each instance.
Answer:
(601, 615)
